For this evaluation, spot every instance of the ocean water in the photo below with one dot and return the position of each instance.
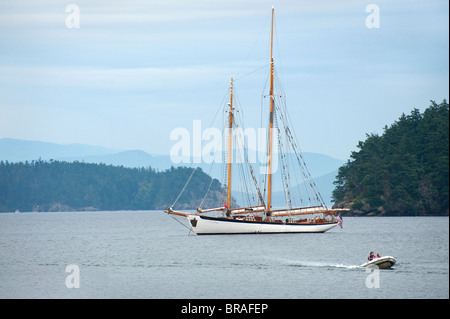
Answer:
(147, 254)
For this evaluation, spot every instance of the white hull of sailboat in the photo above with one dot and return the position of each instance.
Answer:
(203, 225)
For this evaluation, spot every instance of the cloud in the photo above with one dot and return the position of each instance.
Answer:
(177, 55)
(121, 79)
(121, 14)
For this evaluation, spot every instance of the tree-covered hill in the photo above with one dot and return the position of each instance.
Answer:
(58, 186)
(405, 171)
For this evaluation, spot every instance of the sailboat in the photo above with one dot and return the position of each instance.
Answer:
(262, 218)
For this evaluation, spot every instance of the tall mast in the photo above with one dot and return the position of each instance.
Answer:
(272, 97)
(230, 148)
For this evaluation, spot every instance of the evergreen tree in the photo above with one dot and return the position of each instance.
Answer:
(405, 171)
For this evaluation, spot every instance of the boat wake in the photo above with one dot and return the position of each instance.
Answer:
(320, 264)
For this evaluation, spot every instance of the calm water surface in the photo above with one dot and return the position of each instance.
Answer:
(147, 254)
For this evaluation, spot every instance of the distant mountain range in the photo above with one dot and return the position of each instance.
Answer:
(322, 167)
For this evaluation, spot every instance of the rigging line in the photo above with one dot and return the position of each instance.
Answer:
(244, 185)
(251, 72)
(184, 187)
(212, 179)
(300, 160)
(262, 104)
(181, 223)
(266, 21)
(250, 169)
(225, 158)
(246, 173)
(241, 146)
(279, 61)
(317, 196)
(291, 161)
(303, 164)
(284, 173)
(240, 155)
(240, 119)
(290, 148)
(309, 179)
(200, 146)
(264, 122)
(207, 191)
(282, 156)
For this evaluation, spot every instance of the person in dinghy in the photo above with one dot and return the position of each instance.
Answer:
(372, 256)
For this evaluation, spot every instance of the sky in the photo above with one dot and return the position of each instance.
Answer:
(132, 72)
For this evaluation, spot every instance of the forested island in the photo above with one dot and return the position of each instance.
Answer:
(77, 186)
(404, 171)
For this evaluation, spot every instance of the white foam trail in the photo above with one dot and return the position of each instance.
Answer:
(320, 264)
